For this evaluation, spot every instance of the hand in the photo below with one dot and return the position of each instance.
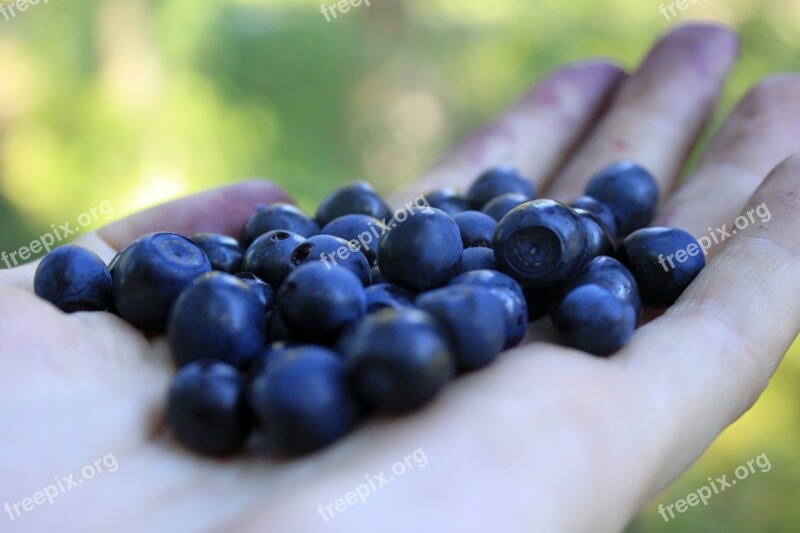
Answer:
(546, 439)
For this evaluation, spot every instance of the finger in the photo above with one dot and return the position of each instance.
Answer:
(762, 131)
(710, 356)
(535, 134)
(660, 110)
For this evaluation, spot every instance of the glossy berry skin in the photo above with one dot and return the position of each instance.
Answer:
(206, 408)
(151, 274)
(500, 206)
(592, 319)
(363, 230)
(268, 256)
(355, 198)
(303, 400)
(599, 240)
(317, 301)
(448, 200)
(609, 274)
(630, 191)
(73, 279)
(423, 252)
(540, 243)
(278, 216)
(601, 210)
(383, 295)
(399, 360)
(477, 229)
(664, 262)
(478, 259)
(509, 293)
(473, 319)
(496, 181)
(263, 291)
(332, 251)
(217, 317)
(223, 252)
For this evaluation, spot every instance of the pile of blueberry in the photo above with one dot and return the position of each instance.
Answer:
(297, 331)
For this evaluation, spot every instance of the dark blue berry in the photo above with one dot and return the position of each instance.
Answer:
(399, 359)
(664, 262)
(496, 181)
(599, 240)
(509, 293)
(501, 205)
(217, 317)
(540, 243)
(377, 276)
(332, 251)
(448, 200)
(263, 291)
(474, 320)
(587, 203)
(478, 259)
(279, 216)
(150, 276)
(223, 252)
(268, 256)
(383, 295)
(362, 230)
(592, 319)
(303, 400)
(318, 301)
(422, 252)
(277, 329)
(630, 191)
(206, 408)
(355, 198)
(477, 229)
(609, 274)
(73, 279)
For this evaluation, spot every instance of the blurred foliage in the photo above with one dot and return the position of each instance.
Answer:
(139, 101)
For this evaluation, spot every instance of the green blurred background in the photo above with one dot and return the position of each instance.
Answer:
(137, 101)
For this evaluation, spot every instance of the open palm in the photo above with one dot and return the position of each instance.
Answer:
(545, 439)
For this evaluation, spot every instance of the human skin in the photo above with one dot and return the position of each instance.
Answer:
(546, 438)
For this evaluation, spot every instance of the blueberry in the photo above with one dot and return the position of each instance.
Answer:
(587, 203)
(319, 301)
(399, 360)
(499, 207)
(383, 295)
(73, 279)
(630, 191)
(664, 262)
(332, 251)
(362, 229)
(150, 275)
(206, 408)
(509, 293)
(496, 181)
(268, 256)
(477, 229)
(355, 198)
(540, 243)
(263, 291)
(377, 276)
(216, 317)
(277, 329)
(609, 274)
(599, 240)
(303, 400)
(474, 320)
(448, 200)
(223, 252)
(279, 216)
(423, 252)
(592, 319)
(478, 259)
